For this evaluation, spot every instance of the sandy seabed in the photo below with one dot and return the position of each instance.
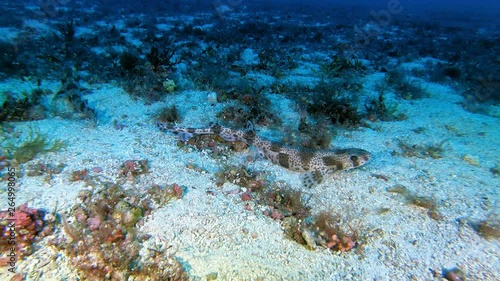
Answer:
(214, 233)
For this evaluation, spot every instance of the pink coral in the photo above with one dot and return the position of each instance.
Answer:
(94, 223)
(246, 196)
(343, 244)
(24, 224)
(177, 190)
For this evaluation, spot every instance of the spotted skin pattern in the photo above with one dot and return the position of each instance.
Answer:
(313, 164)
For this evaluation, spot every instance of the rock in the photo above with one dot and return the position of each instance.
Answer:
(249, 57)
(309, 238)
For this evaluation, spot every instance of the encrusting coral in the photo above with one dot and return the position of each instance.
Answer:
(25, 225)
(106, 220)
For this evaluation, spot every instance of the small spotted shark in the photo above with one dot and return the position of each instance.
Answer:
(313, 164)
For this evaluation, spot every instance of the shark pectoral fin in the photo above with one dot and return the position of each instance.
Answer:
(311, 179)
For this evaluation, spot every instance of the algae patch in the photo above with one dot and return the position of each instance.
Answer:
(34, 144)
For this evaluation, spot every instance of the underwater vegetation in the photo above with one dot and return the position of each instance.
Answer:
(251, 104)
(287, 206)
(216, 46)
(335, 100)
(328, 230)
(404, 86)
(379, 109)
(309, 135)
(133, 168)
(453, 274)
(106, 219)
(240, 175)
(283, 203)
(47, 170)
(129, 60)
(213, 144)
(34, 144)
(440, 72)
(428, 203)
(168, 114)
(68, 102)
(161, 59)
(334, 232)
(25, 107)
(341, 66)
(434, 151)
(496, 169)
(488, 228)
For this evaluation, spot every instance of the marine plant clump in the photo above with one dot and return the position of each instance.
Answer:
(335, 99)
(288, 206)
(41, 169)
(312, 136)
(496, 169)
(215, 145)
(453, 274)
(25, 107)
(340, 65)
(80, 175)
(488, 228)
(242, 176)
(106, 219)
(378, 109)
(434, 151)
(35, 144)
(334, 233)
(129, 60)
(169, 114)
(328, 230)
(283, 203)
(161, 58)
(162, 195)
(44, 170)
(340, 111)
(130, 169)
(251, 104)
(428, 203)
(404, 86)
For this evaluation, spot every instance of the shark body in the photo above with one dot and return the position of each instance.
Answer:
(312, 164)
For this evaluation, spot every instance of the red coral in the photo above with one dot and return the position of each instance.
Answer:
(94, 223)
(132, 168)
(246, 196)
(277, 215)
(79, 175)
(24, 224)
(3, 162)
(177, 190)
(342, 244)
